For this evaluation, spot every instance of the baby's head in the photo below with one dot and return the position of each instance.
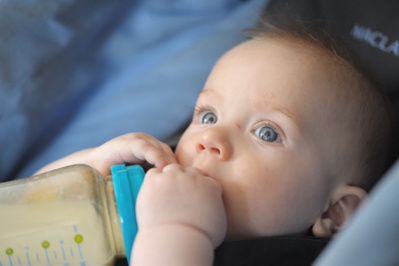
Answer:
(367, 118)
(293, 132)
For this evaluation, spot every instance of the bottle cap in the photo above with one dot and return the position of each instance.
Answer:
(127, 182)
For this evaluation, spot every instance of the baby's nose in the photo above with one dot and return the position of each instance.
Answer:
(215, 142)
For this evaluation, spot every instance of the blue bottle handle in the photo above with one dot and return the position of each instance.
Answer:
(127, 182)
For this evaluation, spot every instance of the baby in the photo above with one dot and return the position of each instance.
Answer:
(287, 136)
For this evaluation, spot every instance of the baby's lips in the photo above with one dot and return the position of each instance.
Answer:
(204, 173)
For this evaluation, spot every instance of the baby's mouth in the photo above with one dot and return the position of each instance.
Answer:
(204, 173)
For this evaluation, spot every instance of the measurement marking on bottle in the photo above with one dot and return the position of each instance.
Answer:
(62, 250)
(80, 252)
(47, 258)
(46, 245)
(9, 252)
(78, 240)
(27, 257)
(63, 253)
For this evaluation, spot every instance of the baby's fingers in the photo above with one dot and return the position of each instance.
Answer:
(158, 154)
(133, 148)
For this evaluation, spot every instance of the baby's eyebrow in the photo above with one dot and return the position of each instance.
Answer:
(288, 114)
(282, 109)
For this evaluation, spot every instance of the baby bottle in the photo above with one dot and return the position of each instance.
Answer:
(69, 216)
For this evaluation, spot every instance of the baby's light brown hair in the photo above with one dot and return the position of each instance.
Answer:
(369, 125)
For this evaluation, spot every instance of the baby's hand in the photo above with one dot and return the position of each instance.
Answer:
(182, 197)
(132, 148)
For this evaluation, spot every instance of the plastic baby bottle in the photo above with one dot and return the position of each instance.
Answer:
(69, 216)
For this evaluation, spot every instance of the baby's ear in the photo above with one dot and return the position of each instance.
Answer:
(342, 204)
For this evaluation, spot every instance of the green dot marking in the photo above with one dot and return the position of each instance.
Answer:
(45, 244)
(78, 238)
(9, 251)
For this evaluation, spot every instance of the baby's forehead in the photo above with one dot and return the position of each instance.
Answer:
(293, 73)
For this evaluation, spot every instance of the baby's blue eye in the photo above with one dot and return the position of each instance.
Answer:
(267, 133)
(208, 118)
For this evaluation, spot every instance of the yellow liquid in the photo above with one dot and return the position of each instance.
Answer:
(53, 233)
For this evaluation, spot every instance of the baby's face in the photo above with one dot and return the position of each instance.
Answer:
(260, 129)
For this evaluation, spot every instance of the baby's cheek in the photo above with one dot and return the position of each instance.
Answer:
(182, 156)
(178, 153)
